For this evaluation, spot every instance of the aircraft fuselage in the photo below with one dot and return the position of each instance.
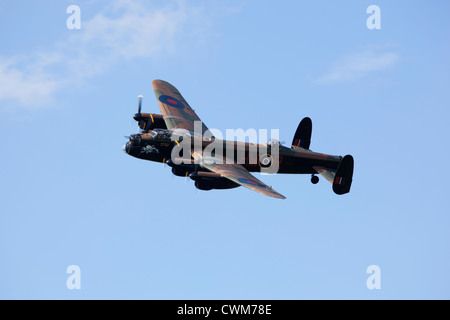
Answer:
(300, 161)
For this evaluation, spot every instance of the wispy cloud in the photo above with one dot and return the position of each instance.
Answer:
(127, 29)
(28, 86)
(359, 64)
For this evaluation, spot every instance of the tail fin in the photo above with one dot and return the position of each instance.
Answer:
(342, 177)
(302, 137)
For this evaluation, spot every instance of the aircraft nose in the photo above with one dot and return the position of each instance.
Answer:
(126, 147)
(135, 140)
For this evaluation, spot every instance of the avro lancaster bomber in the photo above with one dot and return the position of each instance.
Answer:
(178, 125)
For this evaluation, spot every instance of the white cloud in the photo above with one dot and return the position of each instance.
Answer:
(358, 65)
(128, 30)
(125, 30)
(28, 87)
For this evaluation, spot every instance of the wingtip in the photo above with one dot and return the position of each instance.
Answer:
(156, 82)
(275, 195)
(159, 81)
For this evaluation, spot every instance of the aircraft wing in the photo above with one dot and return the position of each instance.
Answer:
(176, 111)
(236, 173)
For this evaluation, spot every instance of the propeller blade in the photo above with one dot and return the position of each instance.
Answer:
(140, 103)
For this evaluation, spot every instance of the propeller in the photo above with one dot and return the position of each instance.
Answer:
(138, 115)
(140, 104)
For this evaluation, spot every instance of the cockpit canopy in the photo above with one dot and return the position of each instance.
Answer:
(160, 134)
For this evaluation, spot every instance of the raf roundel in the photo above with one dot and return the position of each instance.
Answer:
(265, 161)
(171, 101)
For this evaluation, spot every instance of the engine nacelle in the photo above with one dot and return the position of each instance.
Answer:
(204, 185)
(150, 121)
(183, 170)
(209, 180)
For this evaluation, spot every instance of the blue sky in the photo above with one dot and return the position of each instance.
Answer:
(70, 196)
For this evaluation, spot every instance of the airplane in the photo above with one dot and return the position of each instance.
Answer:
(160, 133)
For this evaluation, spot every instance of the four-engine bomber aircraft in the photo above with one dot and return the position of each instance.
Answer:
(156, 141)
